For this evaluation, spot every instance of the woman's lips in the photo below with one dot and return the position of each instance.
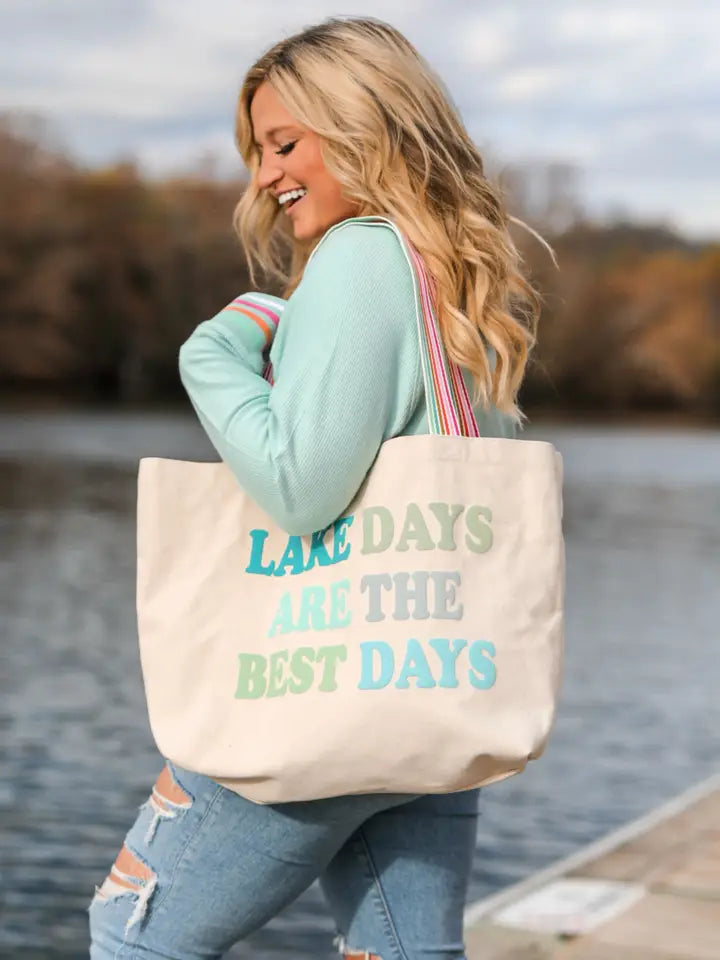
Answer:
(293, 203)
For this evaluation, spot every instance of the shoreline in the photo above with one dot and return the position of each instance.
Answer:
(544, 416)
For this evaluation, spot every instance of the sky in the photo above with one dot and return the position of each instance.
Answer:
(627, 92)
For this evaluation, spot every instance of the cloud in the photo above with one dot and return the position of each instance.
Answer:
(630, 91)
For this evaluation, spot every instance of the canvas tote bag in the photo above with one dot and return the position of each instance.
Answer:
(414, 645)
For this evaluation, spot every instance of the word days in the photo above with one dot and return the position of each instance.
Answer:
(438, 663)
(413, 595)
(432, 530)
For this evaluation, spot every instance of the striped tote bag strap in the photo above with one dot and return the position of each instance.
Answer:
(449, 410)
(447, 402)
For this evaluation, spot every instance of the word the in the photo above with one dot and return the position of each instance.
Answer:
(444, 582)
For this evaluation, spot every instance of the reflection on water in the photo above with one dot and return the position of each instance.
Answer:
(639, 717)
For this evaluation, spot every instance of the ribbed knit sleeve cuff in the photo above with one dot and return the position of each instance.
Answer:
(259, 320)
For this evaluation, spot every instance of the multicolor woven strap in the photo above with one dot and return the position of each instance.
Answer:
(449, 411)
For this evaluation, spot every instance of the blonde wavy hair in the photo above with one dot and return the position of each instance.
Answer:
(392, 137)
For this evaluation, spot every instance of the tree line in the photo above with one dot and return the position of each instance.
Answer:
(103, 274)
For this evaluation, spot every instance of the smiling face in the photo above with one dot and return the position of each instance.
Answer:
(290, 158)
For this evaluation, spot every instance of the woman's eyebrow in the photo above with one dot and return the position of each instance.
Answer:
(273, 131)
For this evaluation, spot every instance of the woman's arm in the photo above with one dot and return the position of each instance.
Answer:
(249, 323)
(347, 377)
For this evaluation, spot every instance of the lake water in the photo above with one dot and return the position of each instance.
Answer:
(639, 717)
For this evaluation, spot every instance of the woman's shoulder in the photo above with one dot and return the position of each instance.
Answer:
(358, 285)
(371, 245)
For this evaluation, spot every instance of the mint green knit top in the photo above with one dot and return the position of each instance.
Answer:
(347, 376)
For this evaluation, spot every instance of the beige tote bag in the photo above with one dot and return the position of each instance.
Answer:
(412, 646)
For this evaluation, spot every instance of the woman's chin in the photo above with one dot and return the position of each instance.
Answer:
(306, 228)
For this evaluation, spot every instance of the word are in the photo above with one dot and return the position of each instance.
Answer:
(326, 608)
(318, 609)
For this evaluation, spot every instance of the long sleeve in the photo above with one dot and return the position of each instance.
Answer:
(347, 377)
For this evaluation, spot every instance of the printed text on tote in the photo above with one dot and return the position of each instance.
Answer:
(409, 595)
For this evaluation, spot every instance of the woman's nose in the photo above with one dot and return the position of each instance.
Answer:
(268, 173)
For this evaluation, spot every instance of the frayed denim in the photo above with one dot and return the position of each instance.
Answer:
(203, 867)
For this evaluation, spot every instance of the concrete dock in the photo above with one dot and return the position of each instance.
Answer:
(649, 891)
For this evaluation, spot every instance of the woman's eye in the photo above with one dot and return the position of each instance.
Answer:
(283, 151)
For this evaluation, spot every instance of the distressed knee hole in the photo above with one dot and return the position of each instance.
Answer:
(129, 877)
(350, 952)
(167, 800)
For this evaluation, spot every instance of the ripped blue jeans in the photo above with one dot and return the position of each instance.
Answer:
(202, 868)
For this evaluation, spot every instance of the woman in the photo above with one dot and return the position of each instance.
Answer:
(341, 122)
